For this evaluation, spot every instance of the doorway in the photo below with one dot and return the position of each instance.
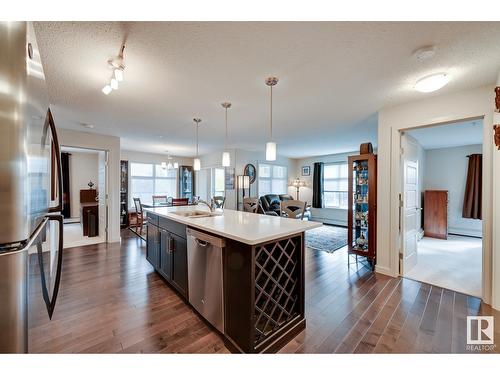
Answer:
(440, 205)
(84, 173)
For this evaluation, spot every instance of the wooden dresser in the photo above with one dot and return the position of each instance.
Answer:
(436, 214)
(89, 212)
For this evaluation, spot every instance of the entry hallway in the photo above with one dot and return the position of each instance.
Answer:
(112, 301)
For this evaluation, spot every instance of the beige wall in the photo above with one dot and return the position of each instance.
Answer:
(74, 138)
(433, 110)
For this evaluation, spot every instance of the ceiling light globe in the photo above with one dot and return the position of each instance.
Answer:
(432, 83)
(114, 84)
(119, 75)
(226, 159)
(270, 151)
(106, 89)
(176, 165)
(196, 164)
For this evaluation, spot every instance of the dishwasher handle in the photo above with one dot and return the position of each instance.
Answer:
(201, 242)
(204, 239)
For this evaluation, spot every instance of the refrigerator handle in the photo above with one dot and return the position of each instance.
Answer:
(51, 303)
(53, 130)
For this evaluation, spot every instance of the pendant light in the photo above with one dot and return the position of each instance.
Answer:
(226, 158)
(196, 161)
(271, 146)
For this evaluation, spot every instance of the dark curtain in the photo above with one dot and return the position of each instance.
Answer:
(318, 186)
(66, 209)
(473, 187)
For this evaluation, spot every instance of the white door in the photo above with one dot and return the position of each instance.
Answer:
(102, 191)
(410, 203)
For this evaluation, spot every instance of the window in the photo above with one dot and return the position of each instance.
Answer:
(218, 176)
(335, 181)
(147, 180)
(272, 179)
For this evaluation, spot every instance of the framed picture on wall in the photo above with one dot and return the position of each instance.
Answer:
(306, 170)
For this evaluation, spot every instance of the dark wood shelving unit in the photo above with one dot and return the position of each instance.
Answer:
(362, 211)
(124, 221)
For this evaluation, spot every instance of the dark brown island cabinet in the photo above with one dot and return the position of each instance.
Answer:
(263, 284)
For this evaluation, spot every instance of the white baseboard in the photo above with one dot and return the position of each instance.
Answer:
(384, 271)
(112, 240)
(465, 232)
(329, 221)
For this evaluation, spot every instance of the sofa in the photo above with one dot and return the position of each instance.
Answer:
(271, 203)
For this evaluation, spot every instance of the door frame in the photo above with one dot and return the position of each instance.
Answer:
(106, 183)
(396, 185)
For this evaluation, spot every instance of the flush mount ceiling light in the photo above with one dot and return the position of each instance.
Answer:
(226, 158)
(196, 161)
(432, 83)
(271, 146)
(117, 65)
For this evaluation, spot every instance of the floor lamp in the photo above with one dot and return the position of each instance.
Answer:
(298, 183)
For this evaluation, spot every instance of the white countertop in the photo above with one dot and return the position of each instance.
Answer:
(241, 226)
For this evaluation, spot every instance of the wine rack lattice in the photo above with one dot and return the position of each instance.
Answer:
(277, 289)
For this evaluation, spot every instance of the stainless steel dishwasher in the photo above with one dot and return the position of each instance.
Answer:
(205, 279)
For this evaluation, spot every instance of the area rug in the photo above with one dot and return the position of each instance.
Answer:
(326, 238)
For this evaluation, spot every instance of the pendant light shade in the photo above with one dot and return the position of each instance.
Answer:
(270, 151)
(271, 146)
(226, 158)
(176, 165)
(164, 165)
(196, 161)
(196, 164)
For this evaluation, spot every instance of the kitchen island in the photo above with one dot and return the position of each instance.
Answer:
(262, 262)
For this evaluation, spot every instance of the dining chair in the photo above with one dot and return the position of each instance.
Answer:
(160, 199)
(293, 209)
(141, 220)
(251, 205)
(180, 201)
(218, 201)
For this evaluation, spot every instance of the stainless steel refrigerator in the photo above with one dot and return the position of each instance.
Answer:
(31, 235)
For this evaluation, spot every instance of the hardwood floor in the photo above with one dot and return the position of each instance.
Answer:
(112, 301)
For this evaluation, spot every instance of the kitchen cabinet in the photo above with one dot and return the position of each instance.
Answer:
(153, 245)
(179, 262)
(167, 252)
(165, 255)
(238, 292)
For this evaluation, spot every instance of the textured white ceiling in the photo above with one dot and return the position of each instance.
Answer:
(450, 135)
(334, 77)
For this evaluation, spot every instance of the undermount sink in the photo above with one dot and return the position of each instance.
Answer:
(196, 213)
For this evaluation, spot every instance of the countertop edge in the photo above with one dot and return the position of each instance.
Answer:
(192, 223)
